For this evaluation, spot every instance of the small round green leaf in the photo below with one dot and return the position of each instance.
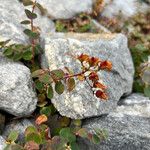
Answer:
(42, 10)
(30, 34)
(64, 121)
(27, 55)
(46, 78)
(17, 56)
(57, 74)
(8, 52)
(82, 133)
(13, 136)
(147, 91)
(74, 146)
(25, 22)
(50, 92)
(70, 84)
(67, 134)
(27, 2)
(30, 129)
(46, 111)
(30, 15)
(59, 87)
(39, 86)
(35, 137)
(77, 122)
(37, 73)
(95, 139)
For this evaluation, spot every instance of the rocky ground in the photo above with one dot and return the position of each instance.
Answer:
(125, 115)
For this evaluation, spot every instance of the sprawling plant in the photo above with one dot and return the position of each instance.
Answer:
(47, 81)
(139, 43)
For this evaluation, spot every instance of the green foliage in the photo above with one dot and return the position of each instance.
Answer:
(82, 133)
(30, 129)
(31, 34)
(67, 134)
(39, 85)
(19, 52)
(45, 78)
(74, 146)
(27, 55)
(27, 2)
(70, 84)
(59, 87)
(139, 45)
(81, 23)
(46, 110)
(57, 74)
(25, 22)
(64, 121)
(50, 92)
(12, 136)
(60, 27)
(34, 137)
(95, 139)
(147, 91)
(30, 14)
(137, 30)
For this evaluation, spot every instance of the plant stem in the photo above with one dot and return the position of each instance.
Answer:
(32, 29)
(74, 75)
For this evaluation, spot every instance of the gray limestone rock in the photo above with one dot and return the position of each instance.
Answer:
(136, 104)
(19, 126)
(123, 9)
(65, 9)
(11, 14)
(17, 95)
(2, 143)
(113, 47)
(128, 126)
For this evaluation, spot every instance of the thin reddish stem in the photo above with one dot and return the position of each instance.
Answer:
(32, 29)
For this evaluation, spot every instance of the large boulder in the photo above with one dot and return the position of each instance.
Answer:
(81, 103)
(17, 95)
(126, 130)
(65, 9)
(11, 14)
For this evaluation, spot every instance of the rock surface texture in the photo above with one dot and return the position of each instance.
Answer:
(65, 9)
(113, 47)
(17, 96)
(124, 9)
(2, 143)
(11, 14)
(19, 126)
(135, 104)
(126, 130)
